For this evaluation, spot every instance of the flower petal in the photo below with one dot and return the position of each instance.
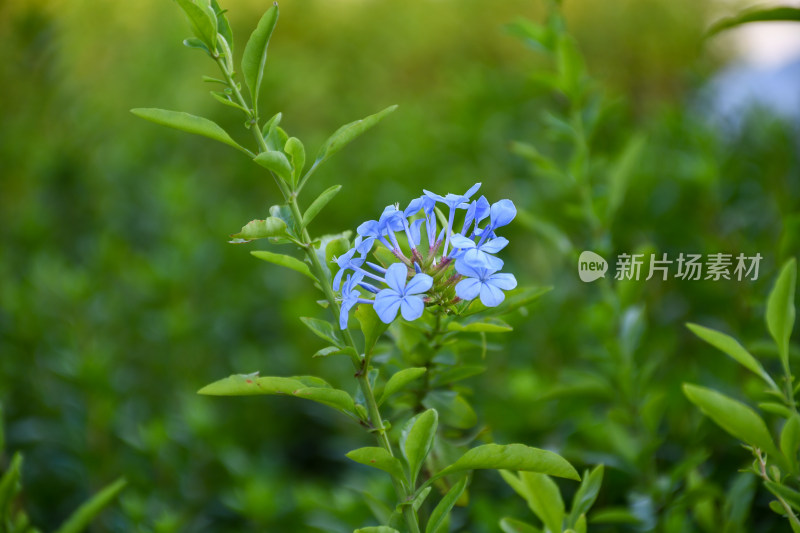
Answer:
(502, 213)
(396, 276)
(468, 289)
(387, 302)
(503, 281)
(491, 296)
(495, 245)
(412, 307)
(337, 279)
(472, 190)
(419, 283)
(468, 268)
(459, 241)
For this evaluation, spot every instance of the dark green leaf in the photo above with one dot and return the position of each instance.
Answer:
(790, 440)
(378, 458)
(285, 261)
(624, 169)
(791, 496)
(456, 373)
(780, 309)
(587, 494)
(513, 457)
(454, 410)
(399, 380)
(86, 513)
(731, 346)
(771, 14)
(276, 162)
(376, 529)
(188, 123)
(255, 53)
(442, 510)
(371, 326)
(416, 440)
(320, 202)
(9, 484)
(324, 330)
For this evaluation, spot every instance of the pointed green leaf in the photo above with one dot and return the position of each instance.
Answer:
(276, 162)
(731, 346)
(544, 499)
(586, 494)
(780, 309)
(791, 496)
(193, 42)
(790, 440)
(416, 440)
(255, 53)
(511, 525)
(378, 458)
(348, 132)
(442, 510)
(203, 22)
(333, 350)
(284, 261)
(324, 330)
(623, 171)
(486, 325)
(223, 26)
(376, 529)
(261, 229)
(775, 408)
(399, 380)
(757, 14)
(297, 156)
(251, 385)
(86, 513)
(338, 399)
(320, 202)
(733, 416)
(371, 326)
(10, 484)
(188, 123)
(223, 98)
(513, 457)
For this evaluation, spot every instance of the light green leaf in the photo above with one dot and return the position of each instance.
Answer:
(770, 14)
(338, 399)
(487, 325)
(188, 123)
(399, 380)
(320, 202)
(223, 26)
(333, 350)
(623, 171)
(223, 98)
(297, 156)
(513, 457)
(324, 330)
(442, 510)
(255, 53)
(251, 385)
(348, 132)
(544, 499)
(416, 441)
(203, 22)
(276, 162)
(420, 499)
(378, 458)
(376, 529)
(731, 346)
(587, 494)
(790, 440)
(511, 525)
(775, 408)
(284, 261)
(371, 326)
(86, 513)
(193, 42)
(736, 418)
(791, 496)
(261, 229)
(780, 309)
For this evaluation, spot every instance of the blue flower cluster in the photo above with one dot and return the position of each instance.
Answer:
(451, 268)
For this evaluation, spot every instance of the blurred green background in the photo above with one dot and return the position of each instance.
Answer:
(119, 296)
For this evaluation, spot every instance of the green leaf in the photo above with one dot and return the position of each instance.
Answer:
(223, 98)
(736, 418)
(317, 205)
(791, 496)
(324, 330)
(261, 229)
(251, 385)
(586, 494)
(416, 441)
(420, 499)
(284, 261)
(775, 408)
(790, 440)
(378, 458)
(511, 525)
(453, 408)
(333, 350)
(780, 309)
(487, 325)
(348, 132)
(513, 457)
(371, 326)
(276, 162)
(544, 499)
(203, 22)
(223, 26)
(9, 484)
(771, 14)
(86, 513)
(731, 346)
(623, 171)
(255, 53)
(338, 399)
(514, 300)
(188, 123)
(442, 510)
(399, 380)
(376, 529)
(193, 42)
(297, 156)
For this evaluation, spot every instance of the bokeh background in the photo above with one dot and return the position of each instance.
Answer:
(119, 296)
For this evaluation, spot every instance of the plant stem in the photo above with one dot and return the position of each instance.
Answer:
(789, 512)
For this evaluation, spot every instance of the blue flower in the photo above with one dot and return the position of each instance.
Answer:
(401, 295)
(347, 262)
(472, 252)
(350, 297)
(484, 281)
(453, 201)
